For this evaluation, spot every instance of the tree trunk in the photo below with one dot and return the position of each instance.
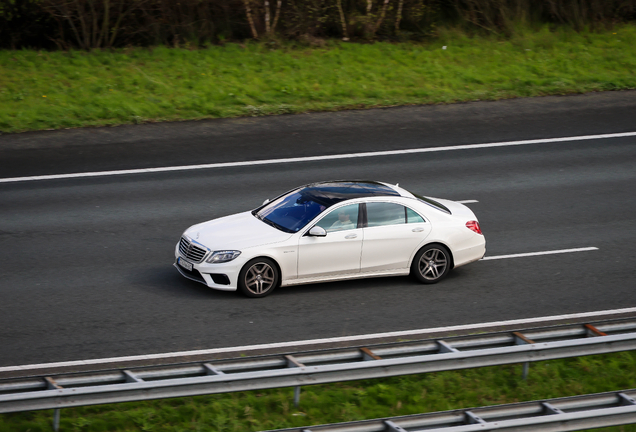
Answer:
(278, 5)
(382, 14)
(103, 34)
(345, 36)
(267, 29)
(399, 16)
(248, 12)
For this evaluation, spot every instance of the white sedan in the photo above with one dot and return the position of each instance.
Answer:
(331, 231)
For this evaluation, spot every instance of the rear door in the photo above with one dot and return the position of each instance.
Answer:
(392, 234)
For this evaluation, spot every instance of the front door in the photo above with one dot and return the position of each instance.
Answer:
(338, 253)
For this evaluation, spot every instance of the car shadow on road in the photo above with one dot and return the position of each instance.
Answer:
(349, 286)
(166, 281)
(361, 286)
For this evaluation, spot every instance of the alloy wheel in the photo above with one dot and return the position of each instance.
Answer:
(260, 278)
(433, 264)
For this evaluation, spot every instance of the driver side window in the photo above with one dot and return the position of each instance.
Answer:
(340, 219)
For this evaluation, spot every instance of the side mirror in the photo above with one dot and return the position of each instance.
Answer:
(265, 202)
(317, 232)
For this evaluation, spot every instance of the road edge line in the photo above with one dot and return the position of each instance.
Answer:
(292, 344)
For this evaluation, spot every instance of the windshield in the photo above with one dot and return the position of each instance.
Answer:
(291, 212)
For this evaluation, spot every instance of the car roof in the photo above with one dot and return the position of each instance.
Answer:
(329, 193)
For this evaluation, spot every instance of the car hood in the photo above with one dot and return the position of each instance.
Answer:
(235, 232)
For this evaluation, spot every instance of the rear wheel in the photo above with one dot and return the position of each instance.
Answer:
(431, 264)
(258, 278)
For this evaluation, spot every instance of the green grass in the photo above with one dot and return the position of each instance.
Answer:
(271, 409)
(44, 90)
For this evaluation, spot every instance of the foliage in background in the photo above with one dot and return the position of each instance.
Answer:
(89, 24)
(23, 23)
(43, 90)
(356, 400)
(503, 16)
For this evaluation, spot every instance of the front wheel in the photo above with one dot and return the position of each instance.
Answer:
(258, 278)
(431, 264)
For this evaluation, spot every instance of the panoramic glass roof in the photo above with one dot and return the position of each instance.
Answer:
(330, 193)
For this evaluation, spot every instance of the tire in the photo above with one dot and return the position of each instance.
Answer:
(258, 277)
(431, 264)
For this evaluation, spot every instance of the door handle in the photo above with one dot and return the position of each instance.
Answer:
(351, 236)
(417, 229)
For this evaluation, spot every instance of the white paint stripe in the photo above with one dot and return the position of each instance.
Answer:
(529, 254)
(467, 201)
(315, 158)
(367, 337)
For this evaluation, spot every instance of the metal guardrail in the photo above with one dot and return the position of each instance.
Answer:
(298, 369)
(562, 414)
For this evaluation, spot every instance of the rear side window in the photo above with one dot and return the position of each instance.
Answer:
(412, 217)
(381, 214)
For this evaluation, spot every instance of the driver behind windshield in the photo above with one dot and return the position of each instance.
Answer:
(292, 212)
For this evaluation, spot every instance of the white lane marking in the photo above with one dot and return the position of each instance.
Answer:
(367, 337)
(529, 254)
(467, 201)
(314, 158)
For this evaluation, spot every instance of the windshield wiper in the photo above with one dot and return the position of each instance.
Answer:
(275, 225)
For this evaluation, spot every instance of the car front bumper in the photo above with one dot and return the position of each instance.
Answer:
(223, 276)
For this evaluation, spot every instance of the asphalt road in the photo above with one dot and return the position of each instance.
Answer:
(86, 264)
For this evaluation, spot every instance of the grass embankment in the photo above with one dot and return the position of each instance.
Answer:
(43, 90)
(271, 409)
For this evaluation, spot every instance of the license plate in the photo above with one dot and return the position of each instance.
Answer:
(186, 265)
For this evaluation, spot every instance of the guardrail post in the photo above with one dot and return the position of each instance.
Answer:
(296, 396)
(56, 419)
(292, 362)
(593, 331)
(472, 418)
(368, 355)
(526, 368)
(445, 348)
(389, 426)
(624, 400)
(522, 340)
(51, 384)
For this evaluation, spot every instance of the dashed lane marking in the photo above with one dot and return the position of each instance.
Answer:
(530, 254)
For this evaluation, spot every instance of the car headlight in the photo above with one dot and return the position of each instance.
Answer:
(223, 256)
